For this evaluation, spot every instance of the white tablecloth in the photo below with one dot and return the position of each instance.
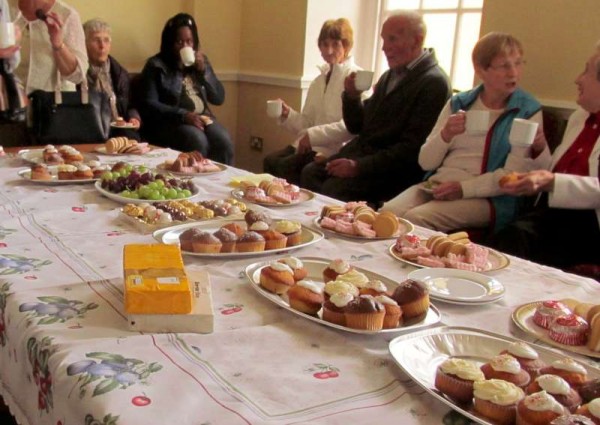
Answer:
(63, 244)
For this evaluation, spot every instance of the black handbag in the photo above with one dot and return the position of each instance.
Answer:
(61, 117)
(13, 100)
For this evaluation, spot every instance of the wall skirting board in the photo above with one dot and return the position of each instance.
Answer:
(280, 80)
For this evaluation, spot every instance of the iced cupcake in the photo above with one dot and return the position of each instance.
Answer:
(455, 377)
(497, 400)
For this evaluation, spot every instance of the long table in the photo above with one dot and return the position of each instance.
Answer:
(62, 245)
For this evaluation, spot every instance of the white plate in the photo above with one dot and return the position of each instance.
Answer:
(170, 236)
(523, 318)
(419, 354)
(125, 125)
(53, 169)
(162, 168)
(36, 156)
(404, 228)
(124, 200)
(459, 286)
(497, 260)
(315, 267)
(305, 196)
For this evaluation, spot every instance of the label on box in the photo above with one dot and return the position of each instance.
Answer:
(168, 280)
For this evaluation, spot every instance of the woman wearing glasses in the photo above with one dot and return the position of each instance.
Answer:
(464, 168)
(176, 96)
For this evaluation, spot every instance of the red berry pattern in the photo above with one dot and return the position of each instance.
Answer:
(323, 371)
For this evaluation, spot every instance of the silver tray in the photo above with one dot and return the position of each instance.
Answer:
(315, 267)
(419, 354)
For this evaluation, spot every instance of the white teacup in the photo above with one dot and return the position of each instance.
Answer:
(274, 108)
(363, 80)
(188, 56)
(522, 132)
(7, 35)
(477, 122)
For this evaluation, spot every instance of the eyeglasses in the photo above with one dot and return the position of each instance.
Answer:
(508, 66)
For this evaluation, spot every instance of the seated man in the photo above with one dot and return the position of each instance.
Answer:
(567, 217)
(106, 75)
(391, 125)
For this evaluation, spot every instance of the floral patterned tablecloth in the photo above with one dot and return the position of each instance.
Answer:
(66, 356)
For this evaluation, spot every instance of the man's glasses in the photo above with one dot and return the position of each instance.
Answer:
(508, 66)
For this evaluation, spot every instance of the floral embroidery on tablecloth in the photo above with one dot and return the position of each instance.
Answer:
(106, 420)
(38, 353)
(4, 288)
(5, 231)
(53, 309)
(323, 371)
(13, 264)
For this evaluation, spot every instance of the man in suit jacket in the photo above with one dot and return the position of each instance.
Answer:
(391, 126)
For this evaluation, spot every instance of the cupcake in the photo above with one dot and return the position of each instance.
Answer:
(186, 239)
(557, 388)
(568, 329)
(366, 313)
(527, 357)
(572, 420)
(548, 310)
(393, 312)
(336, 268)
(355, 278)
(227, 238)
(291, 229)
(413, 298)
(250, 242)
(253, 216)
(277, 278)
(589, 390)
(373, 287)
(297, 266)
(507, 368)
(306, 296)
(259, 227)
(334, 307)
(497, 400)
(455, 377)
(538, 409)
(339, 286)
(66, 171)
(235, 228)
(206, 243)
(274, 239)
(591, 410)
(568, 369)
(40, 172)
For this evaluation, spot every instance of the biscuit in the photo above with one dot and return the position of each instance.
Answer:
(385, 226)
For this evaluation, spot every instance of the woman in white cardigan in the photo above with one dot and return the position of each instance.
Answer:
(319, 128)
(553, 233)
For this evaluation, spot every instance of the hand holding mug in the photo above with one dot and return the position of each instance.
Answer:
(455, 125)
(350, 86)
(200, 61)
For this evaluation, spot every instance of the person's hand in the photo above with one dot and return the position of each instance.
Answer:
(539, 142)
(285, 110)
(200, 63)
(191, 118)
(528, 183)
(54, 25)
(342, 167)
(304, 145)
(135, 123)
(350, 86)
(448, 191)
(455, 125)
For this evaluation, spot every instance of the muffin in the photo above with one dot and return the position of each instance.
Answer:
(306, 296)
(497, 400)
(557, 388)
(66, 171)
(568, 329)
(253, 216)
(568, 369)
(527, 357)
(83, 172)
(297, 266)
(291, 229)
(507, 368)
(277, 278)
(455, 377)
(589, 390)
(334, 307)
(40, 172)
(591, 410)
(228, 239)
(338, 286)
(235, 228)
(393, 312)
(335, 268)
(206, 243)
(259, 227)
(355, 278)
(250, 242)
(274, 239)
(365, 312)
(373, 287)
(572, 420)
(413, 297)
(186, 239)
(547, 311)
(538, 409)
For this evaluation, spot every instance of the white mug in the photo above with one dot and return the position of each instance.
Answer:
(274, 108)
(7, 35)
(522, 132)
(188, 56)
(477, 122)
(363, 80)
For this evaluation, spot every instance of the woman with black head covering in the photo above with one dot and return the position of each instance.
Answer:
(176, 97)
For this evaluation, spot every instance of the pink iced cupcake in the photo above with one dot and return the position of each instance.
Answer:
(569, 329)
(547, 311)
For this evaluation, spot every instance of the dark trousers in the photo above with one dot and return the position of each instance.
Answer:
(287, 164)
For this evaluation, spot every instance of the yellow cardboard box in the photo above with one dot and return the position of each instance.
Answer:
(155, 280)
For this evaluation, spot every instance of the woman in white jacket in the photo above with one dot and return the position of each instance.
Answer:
(552, 234)
(319, 128)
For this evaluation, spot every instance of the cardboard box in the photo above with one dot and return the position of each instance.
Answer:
(155, 280)
(200, 320)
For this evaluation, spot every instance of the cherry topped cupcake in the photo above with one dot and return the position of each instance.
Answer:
(507, 368)
(527, 357)
(547, 311)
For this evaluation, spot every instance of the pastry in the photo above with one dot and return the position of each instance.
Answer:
(527, 357)
(333, 308)
(538, 409)
(277, 278)
(259, 227)
(589, 390)
(339, 286)
(187, 237)
(83, 172)
(306, 296)
(297, 266)
(274, 239)
(206, 243)
(365, 312)
(252, 216)
(413, 297)
(557, 388)
(66, 171)
(235, 228)
(572, 420)
(507, 368)
(250, 242)
(547, 311)
(594, 335)
(497, 400)
(386, 225)
(373, 287)
(228, 239)
(568, 369)
(354, 277)
(569, 329)
(40, 172)
(335, 268)
(291, 229)
(393, 312)
(591, 410)
(455, 377)
(51, 156)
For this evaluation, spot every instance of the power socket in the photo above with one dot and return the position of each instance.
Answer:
(256, 143)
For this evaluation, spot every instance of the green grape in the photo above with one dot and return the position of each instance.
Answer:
(171, 193)
(154, 195)
(186, 193)
(160, 183)
(107, 175)
(125, 194)
(115, 175)
(152, 185)
(124, 173)
(142, 169)
(134, 195)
